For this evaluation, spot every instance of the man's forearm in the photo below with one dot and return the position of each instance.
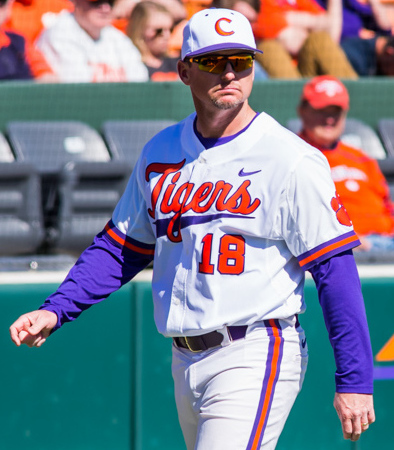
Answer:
(341, 299)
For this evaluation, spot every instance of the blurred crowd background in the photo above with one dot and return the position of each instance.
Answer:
(140, 40)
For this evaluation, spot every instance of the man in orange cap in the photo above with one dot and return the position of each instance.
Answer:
(358, 179)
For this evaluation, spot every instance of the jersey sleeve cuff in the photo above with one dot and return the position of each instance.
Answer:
(349, 389)
(331, 248)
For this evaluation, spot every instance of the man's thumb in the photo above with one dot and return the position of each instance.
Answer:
(36, 328)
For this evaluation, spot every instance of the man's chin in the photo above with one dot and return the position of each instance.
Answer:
(226, 104)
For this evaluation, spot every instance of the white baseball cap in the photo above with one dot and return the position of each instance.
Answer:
(215, 29)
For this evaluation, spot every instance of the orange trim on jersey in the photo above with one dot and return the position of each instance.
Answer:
(328, 249)
(270, 385)
(126, 244)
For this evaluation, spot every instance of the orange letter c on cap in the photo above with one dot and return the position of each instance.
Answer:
(219, 30)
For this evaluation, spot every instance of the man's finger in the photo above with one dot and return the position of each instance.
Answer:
(15, 336)
(357, 429)
(38, 326)
(371, 415)
(40, 342)
(31, 340)
(21, 324)
(347, 428)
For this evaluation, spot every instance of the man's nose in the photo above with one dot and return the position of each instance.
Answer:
(228, 72)
(331, 120)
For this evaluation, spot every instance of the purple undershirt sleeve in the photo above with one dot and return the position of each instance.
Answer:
(102, 268)
(341, 299)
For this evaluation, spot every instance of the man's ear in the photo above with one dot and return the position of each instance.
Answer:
(183, 71)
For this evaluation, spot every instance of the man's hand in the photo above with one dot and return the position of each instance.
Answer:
(33, 328)
(356, 413)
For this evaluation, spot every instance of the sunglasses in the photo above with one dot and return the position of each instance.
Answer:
(161, 31)
(217, 64)
(98, 3)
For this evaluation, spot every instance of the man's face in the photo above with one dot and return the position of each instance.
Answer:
(225, 90)
(322, 126)
(157, 33)
(94, 14)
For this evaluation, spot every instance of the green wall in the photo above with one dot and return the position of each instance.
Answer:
(371, 98)
(104, 382)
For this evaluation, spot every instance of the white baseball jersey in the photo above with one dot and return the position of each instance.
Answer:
(76, 57)
(233, 227)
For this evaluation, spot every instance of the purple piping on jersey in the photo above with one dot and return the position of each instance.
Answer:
(272, 369)
(330, 248)
(383, 373)
(162, 224)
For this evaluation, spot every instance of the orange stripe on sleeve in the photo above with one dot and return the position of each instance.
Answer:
(127, 244)
(328, 249)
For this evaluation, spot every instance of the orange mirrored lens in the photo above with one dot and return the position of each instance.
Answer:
(217, 64)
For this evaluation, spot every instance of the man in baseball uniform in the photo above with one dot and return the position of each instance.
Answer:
(233, 209)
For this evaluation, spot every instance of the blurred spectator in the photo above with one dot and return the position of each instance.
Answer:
(18, 59)
(176, 8)
(180, 17)
(250, 9)
(364, 34)
(385, 56)
(150, 28)
(359, 182)
(30, 17)
(370, 57)
(300, 38)
(83, 46)
(121, 13)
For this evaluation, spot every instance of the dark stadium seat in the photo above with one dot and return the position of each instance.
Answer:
(357, 134)
(80, 183)
(88, 194)
(51, 144)
(21, 220)
(126, 138)
(386, 132)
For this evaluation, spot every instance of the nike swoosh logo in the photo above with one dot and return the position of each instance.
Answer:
(303, 343)
(241, 173)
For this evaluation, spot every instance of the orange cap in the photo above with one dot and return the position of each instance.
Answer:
(325, 90)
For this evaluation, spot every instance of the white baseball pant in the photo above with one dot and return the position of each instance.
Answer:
(238, 396)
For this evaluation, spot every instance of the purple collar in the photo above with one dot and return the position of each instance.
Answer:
(214, 142)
